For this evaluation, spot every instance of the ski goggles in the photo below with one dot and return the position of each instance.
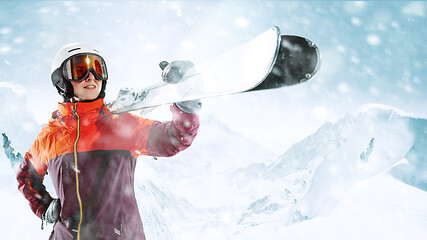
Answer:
(77, 67)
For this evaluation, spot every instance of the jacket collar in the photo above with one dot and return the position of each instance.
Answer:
(96, 108)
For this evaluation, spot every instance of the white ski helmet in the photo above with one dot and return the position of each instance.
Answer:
(62, 72)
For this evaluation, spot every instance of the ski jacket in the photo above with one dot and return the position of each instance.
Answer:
(91, 155)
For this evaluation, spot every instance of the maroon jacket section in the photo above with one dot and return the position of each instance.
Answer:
(108, 198)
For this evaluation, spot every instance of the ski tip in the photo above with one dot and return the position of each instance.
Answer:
(298, 61)
(302, 58)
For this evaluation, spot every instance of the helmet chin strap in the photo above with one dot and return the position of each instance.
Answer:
(74, 99)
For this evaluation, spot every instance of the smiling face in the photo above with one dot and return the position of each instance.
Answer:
(88, 89)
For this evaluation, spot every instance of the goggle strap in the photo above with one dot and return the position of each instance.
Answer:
(68, 69)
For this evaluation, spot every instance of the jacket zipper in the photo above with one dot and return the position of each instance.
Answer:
(120, 231)
(76, 116)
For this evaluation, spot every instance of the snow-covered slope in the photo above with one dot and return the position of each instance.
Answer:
(362, 177)
(322, 176)
(377, 139)
(160, 209)
(380, 208)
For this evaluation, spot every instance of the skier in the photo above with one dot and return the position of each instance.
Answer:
(91, 153)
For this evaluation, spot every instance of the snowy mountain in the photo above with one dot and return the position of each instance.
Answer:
(374, 140)
(322, 176)
(159, 209)
(359, 171)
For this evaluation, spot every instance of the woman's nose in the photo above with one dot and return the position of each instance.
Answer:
(90, 77)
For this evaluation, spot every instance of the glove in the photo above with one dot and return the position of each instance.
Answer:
(173, 72)
(51, 214)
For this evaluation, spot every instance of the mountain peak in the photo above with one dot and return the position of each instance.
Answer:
(384, 108)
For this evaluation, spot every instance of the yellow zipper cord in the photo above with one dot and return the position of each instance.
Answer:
(77, 171)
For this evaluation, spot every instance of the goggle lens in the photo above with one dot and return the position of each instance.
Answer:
(77, 67)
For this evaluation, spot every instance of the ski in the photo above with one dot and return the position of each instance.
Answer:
(268, 61)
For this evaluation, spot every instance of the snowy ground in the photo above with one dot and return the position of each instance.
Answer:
(377, 208)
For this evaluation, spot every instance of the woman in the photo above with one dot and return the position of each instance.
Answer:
(91, 153)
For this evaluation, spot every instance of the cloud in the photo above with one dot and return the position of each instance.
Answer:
(415, 9)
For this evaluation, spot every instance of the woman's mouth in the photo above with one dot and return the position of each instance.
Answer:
(90, 87)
